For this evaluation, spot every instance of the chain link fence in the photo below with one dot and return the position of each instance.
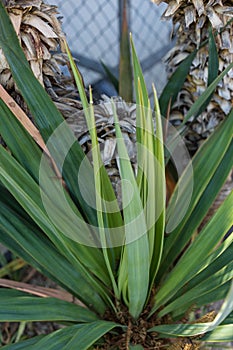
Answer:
(93, 31)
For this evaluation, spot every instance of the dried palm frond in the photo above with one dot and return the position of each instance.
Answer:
(39, 32)
(41, 37)
(105, 127)
(191, 20)
(197, 11)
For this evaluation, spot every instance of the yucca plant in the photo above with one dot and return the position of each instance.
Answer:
(135, 275)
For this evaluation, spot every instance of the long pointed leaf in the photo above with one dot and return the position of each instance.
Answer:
(221, 333)
(105, 239)
(175, 84)
(17, 306)
(24, 345)
(208, 176)
(138, 75)
(125, 69)
(213, 65)
(112, 78)
(112, 208)
(30, 199)
(211, 297)
(192, 261)
(136, 249)
(182, 330)
(46, 116)
(89, 334)
(80, 337)
(160, 189)
(25, 239)
(210, 283)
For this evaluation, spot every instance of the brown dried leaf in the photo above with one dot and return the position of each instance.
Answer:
(108, 151)
(224, 93)
(28, 125)
(51, 43)
(214, 18)
(16, 19)
(201, 21)
(172, 8)
(6, 79)
(226, 40)
(40, 25)
(199, 6)
(225, 105)
(3, 61)
(179, 58)
(190, 15)
(31, 41)
(41, 291)
(224, 10)
(36, 66)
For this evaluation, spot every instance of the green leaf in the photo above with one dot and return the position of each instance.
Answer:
(47, 117)
(89, 334)
(29, 156)
(112, 208)
(221, 333)
(143, 105)
(53, 341)
(150, 177)
(229, 319)
(175, 84)
(112, 215)
(220, 257)
(205, 202)
(125, 69)
(138, 75)
(226, 309)
(30, 199)
(111, 76)
(215, 280)
(208, 175)
(17, 306)
(23, 237)
(84, 335)
(194, 259)
(136, 250)
(24, 345)
(213, 263)
(20, 143)
(181, 330)
(213, 65)
(194, 110)
(100, 173)
(159, 193)
(48, 120)
(78, 79)
(210, 297)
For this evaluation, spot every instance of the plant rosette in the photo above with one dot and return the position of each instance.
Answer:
(138, 268)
